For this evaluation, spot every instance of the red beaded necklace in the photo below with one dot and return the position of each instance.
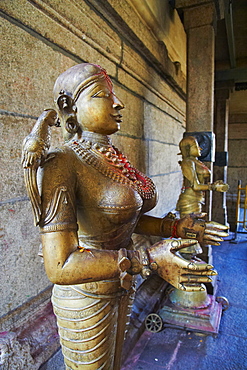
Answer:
(112, 163)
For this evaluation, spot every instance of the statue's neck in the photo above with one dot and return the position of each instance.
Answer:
(95, 138)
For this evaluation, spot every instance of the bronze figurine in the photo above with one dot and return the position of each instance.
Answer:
(88, 200)
(195, 177)
(195, 182)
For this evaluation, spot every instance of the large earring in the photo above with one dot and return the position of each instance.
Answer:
(68, 108)
(71, 124)
(65, 102)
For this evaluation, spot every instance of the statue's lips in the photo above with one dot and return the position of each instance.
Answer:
(117, 117)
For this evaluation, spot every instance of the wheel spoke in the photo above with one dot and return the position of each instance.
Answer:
(153, 323)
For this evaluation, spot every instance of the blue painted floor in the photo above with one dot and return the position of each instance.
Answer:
(174, 349)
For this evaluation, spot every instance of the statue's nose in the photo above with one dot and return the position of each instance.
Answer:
(117, 104)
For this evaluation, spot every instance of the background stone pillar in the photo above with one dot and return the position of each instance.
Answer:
(199, 23)
(221, 115)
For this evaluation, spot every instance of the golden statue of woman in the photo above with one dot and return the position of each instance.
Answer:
(195, 178)
(89, 201)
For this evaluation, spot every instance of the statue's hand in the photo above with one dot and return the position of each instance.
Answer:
(37, 143)
(220, 186)
(189, 275)
(214, 232)
(193, 227)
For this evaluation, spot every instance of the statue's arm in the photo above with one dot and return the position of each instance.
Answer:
(189, 172)
(150, 225)
(165, 258)
(188, 227)
(66, 263)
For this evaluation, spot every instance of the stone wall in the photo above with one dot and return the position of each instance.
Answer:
(41, 39)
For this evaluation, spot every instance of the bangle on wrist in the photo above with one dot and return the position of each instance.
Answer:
(144, 259)
(166, 224)
(124, 264)
(148, 265)
(174, 228)
(211, 187)
(128, 267)
(130, 263)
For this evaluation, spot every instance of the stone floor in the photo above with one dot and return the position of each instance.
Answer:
(174, 349)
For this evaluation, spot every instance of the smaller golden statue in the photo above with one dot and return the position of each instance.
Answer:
(194, 309)
(195, 177)
(89, 201)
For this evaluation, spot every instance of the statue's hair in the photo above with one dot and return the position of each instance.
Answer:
(77, 78)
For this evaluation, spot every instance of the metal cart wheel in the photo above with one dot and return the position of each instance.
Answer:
(224, 302)
(153, 323)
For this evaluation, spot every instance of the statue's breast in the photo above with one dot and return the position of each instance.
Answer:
(104, 203)
(202, 170)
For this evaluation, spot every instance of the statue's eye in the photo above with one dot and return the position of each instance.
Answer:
(101, 94)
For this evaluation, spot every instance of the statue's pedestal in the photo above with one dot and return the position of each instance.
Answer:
(204, 318)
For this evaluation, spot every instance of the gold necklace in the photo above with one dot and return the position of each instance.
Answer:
(109, 161)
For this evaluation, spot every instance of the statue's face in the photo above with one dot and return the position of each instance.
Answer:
(195, 150)
(98, 109)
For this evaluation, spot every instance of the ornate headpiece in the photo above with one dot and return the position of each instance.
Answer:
(77, 78)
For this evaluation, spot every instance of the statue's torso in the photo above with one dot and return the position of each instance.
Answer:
(198, 169)
(105, 209)
(202, 171)
(191, 200)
